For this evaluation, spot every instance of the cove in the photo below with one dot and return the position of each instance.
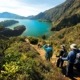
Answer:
(33, 27)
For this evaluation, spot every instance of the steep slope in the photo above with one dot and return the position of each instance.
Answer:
(20, 61)
(66, 14)
(66, 36)
(56, 12)
(69, 18)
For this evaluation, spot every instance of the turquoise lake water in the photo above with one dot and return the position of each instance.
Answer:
(33, 27)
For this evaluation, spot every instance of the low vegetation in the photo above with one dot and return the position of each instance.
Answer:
(20, 61)
(66, 36)
(33, 40)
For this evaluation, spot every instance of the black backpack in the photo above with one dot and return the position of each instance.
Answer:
(77, 60)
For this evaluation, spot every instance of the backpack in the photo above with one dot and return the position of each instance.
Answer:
(77, 60)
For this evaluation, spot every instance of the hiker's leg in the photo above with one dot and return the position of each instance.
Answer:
(58, 62)
(46, 56)
(69, 69)
(62, 61)
(77, 66)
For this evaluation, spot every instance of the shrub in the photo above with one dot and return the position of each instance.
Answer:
(33, 40)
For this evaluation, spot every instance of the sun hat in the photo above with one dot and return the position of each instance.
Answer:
(63, 45)
(48, 45)
(73, 46)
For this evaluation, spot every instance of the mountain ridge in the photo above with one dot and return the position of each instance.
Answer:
(11, 15)
(54, 13)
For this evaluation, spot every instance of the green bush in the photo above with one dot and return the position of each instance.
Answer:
(33, 40)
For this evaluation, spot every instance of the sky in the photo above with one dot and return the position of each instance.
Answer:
(27, 7)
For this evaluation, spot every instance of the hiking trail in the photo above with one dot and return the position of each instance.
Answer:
(41, 51)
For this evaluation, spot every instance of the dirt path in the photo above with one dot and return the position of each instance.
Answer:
(41, 51)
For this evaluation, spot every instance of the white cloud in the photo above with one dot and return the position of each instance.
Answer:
(23, 7)
(17, 7)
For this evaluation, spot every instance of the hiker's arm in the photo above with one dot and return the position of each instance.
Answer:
(60, 54)
(66, 58)
(44, 47)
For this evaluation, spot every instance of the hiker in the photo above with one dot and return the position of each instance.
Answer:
(49, 51)
(63, 53)
(39, 45)
(77, 61)
(71, 60)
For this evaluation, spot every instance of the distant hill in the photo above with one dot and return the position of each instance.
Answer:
(10, 15)
(30, 17)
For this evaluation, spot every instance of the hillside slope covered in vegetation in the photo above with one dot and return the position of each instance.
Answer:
(55, 13)
(20, 61)
(69, 18)
(66, 36)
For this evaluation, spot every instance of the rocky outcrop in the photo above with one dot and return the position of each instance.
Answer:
(16, 32)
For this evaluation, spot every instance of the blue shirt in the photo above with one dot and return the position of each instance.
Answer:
(47, 49)
(71, 56)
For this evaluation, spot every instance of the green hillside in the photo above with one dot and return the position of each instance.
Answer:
(55, 13)
(66, 36)
(69, 18)
(20, 61)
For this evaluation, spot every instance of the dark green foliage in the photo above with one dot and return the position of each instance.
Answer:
(20, 59)
(18, 30)
(68, 22)
(70, 17)
(33, 40)
(44, 37)
(8, 23)
(1, 28)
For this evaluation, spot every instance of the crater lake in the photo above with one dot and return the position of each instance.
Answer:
(34, 28)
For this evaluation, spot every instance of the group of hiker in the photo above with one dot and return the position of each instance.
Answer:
(73, 57)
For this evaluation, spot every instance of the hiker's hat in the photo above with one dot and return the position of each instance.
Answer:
(73, 46)
(63, 45)
(48, 45)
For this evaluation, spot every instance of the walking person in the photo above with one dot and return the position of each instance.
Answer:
(49, 51)
(62, 53)
(71, 60)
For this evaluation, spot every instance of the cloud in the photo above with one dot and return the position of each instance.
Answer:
(27, 7)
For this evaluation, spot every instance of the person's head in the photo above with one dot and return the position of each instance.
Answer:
(48, 45)
(73, 46)
(63, 46)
